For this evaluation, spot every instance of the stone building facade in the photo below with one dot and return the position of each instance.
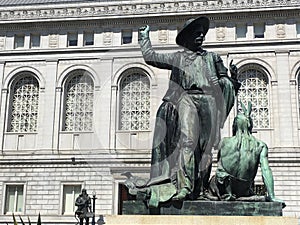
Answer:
(78, 103)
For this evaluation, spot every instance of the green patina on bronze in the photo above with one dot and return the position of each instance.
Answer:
(194, 109)
(238, 161)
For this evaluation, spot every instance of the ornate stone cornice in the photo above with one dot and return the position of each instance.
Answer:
(108, 23)
(137, 8)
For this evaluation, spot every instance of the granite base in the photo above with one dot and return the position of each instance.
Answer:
(209, 208)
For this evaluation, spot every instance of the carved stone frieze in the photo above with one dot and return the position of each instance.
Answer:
(53, 40)
(280, 30)
(118, 8)
(2, 43)
(163, 35)
(107, 38)
(220, 33)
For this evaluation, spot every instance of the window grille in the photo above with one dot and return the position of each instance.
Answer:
(25, 102)
(79, 96)
(255, 89)
(135, 102)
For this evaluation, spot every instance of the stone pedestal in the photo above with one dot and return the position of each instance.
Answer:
(203, 212)
(209, 208)
(196, 220)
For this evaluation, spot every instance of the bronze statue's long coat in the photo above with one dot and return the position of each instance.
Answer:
(189, 120)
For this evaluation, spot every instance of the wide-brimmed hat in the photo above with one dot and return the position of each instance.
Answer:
(191, 30)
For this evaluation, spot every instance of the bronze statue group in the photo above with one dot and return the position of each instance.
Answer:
(199, 98)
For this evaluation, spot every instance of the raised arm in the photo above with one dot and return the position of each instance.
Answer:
(162, 61)
(268, 176)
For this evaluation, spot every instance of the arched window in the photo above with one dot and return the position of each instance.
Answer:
(24, 103)
(79, 99)
(255, 89)
(298, 82)
(135, 101)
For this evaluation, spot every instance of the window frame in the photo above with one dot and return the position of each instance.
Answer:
(68, 78)
(127, 36)
(62, 205)
(261, 70)
(298, 29)
(257, 28)
(6, 185)
(125, 74)
(19, 37)
(238, 27)
(72, 39)
(87, 34)
(32, 36)
(13, 82)
(298, 95)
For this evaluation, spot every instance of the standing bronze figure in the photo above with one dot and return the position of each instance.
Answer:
(195, 107)
(84, 210)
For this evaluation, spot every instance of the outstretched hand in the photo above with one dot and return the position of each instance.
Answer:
(233, 70)
(144, 31)
(145, 28)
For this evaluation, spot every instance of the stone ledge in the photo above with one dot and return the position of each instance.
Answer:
(196, 220)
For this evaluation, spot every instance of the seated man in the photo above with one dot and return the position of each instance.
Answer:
(238, 160)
